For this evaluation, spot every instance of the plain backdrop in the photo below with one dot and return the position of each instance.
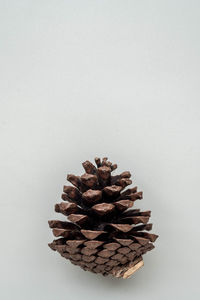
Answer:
(112, 78)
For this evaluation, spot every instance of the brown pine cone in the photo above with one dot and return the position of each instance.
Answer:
(103, 235)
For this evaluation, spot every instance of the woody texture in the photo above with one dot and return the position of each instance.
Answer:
(103, 234)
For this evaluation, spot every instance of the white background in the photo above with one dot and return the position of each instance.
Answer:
(81, 79)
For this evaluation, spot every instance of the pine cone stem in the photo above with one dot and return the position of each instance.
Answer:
(128, 270)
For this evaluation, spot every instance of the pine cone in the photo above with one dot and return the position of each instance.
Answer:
(103, 234)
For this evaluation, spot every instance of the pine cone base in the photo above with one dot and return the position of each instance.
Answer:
(109, 258)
